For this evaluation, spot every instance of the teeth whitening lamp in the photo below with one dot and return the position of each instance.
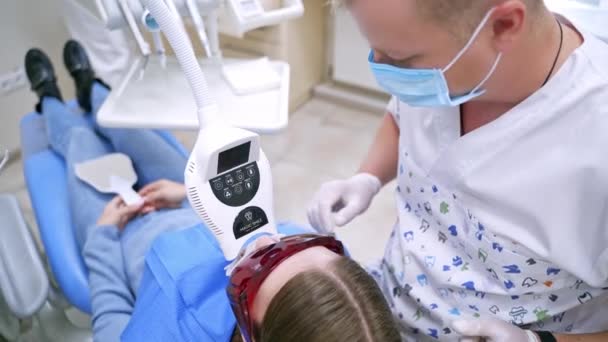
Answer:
(228, 177)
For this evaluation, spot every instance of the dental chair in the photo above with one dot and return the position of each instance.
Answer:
(27, 290)
(45, 175)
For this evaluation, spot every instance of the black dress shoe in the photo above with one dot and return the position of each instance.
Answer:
(41, 75)
(78, 65)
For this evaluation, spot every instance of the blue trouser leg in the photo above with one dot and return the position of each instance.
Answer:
(59, 123)
(76, 142)
(153, 157)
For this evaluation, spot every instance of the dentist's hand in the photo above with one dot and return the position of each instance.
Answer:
(117, 213)
(162, 194)
(492, 330)
(339, 202)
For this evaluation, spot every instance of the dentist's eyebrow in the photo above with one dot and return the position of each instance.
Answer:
(407, 62)
(404, 62)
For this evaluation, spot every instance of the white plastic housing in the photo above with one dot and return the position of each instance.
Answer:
(203, 166)
(234, 21)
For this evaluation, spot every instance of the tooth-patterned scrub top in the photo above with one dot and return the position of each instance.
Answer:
(509, 221)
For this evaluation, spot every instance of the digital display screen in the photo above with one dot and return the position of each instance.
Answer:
(233, 157)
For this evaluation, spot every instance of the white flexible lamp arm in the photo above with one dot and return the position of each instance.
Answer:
(177, 37)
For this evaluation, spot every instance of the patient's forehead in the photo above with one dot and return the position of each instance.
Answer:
(315, 258)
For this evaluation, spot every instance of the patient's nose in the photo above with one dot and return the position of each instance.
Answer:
(264, 241)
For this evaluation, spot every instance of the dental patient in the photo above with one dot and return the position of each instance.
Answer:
(157, 274)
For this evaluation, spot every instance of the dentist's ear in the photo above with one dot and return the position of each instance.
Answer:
(508, 23)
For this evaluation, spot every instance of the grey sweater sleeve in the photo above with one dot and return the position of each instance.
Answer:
(112, 301)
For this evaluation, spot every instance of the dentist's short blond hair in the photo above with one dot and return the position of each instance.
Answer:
(459, 15)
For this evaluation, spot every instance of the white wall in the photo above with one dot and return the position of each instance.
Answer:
(350, 52)
(25, 24)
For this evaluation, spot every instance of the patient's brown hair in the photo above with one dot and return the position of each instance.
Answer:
(340, 304)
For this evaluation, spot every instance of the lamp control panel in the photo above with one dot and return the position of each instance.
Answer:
(237, 187)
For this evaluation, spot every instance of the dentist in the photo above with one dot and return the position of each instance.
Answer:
(496, 134)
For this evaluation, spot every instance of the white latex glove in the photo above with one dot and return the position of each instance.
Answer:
(492, 330)
(339, 202)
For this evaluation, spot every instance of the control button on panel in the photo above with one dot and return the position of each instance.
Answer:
(228, 194)
(248, 185)
(229, 180)
(238, 189)
(218, 185)
(240, 176)
(251, 172)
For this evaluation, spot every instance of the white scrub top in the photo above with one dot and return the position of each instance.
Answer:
(511, 220)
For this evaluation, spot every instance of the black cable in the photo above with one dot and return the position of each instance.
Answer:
(559, 52)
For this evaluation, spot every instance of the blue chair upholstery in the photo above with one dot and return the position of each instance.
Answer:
(45, 175)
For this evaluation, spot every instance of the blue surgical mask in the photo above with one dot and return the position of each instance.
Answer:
(428, 87)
